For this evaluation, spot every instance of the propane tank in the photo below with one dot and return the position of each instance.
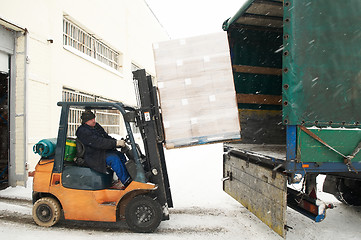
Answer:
(45, 147)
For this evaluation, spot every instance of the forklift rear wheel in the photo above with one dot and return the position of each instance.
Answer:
(46, 212)
(143, 214)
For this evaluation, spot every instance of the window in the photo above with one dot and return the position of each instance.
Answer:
(78, 38)
(109, 119)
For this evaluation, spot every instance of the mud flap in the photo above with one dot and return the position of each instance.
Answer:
(259, 189)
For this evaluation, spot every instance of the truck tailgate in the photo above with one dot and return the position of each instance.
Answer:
(258, 188)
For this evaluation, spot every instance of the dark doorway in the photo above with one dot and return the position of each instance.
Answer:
(4, 129)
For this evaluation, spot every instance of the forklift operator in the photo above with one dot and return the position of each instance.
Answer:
(100, 149)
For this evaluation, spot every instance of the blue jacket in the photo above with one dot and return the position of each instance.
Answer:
(96, 142)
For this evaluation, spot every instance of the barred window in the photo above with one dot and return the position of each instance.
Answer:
(109, 119)
(76, 37)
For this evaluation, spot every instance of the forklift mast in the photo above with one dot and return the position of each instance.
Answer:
(149, 121)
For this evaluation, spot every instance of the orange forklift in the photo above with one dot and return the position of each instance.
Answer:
(62, 189)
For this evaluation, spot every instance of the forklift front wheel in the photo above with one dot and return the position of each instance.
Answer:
(143, 214)
(46, 212)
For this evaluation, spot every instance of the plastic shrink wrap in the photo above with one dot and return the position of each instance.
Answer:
(196, 89)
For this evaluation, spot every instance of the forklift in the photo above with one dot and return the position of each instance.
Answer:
(67, 190)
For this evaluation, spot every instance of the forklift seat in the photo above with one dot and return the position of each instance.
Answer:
(85, 178)
(80, 150)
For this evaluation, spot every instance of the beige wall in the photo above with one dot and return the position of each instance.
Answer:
(128, 26)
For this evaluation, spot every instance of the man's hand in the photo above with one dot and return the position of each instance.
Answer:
(120, 143)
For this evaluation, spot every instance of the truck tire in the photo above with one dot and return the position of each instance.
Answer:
(143, 214)
(46, 212)
(349, 191)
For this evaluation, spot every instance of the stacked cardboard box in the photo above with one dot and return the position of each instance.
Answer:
(196, 90)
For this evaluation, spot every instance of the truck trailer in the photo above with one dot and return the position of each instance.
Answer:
(297, 74)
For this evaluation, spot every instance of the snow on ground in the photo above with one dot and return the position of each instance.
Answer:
(201, 210)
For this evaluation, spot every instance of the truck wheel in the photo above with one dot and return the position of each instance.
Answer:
(143, 214)
(46, 212)
(349, 192)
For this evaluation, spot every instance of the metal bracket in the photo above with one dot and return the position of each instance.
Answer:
(227, 177)
(274, 170)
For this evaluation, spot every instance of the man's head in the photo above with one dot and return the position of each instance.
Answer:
(88, 117)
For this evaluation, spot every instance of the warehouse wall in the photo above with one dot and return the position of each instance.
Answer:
(127, 26)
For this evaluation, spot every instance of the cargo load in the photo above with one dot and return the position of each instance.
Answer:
(196, 90)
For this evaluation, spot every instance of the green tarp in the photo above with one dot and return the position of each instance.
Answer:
(321, 56)
(322, 62)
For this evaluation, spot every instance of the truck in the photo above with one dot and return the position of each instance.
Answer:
(297, 72)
